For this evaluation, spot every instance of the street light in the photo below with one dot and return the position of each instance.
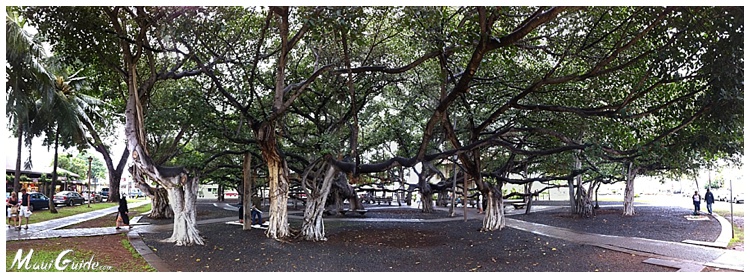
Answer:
(89, 185)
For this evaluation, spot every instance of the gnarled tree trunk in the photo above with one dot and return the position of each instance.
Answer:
(494, 218)
(312, 225)
(160, 208)
(278, 183)
(426, 201)
(628, 207)
(583, 204)
(182, 189)
(347, 191)
(182, 200)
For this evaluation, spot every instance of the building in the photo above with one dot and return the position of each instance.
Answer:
(32, 178)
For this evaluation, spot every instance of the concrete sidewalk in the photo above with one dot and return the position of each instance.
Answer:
(683, 256)
(51, 228)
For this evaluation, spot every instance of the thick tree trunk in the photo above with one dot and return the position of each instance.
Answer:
(337, 203)
(494, 218)
(278, 186)
(406, 196)
(628, 207)
(114, 187)
(160, 208)
(528, 198)
(426, 201)
(312, 225)
(584, 206)
(181, 188)
(573, 184)
(343, 190)
(115, 172)
(572, 196)
(183, 200)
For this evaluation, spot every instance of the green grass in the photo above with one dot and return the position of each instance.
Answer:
(725, 212)
(126, 244)
(739, 233)
(107, 220)
(142, 209)
(44, 215)
(64, 211)
(739, 236)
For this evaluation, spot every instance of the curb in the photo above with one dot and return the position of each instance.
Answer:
(724, 237)
(152, 259)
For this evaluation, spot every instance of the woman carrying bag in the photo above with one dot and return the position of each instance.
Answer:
(11, 206)
(122, 214)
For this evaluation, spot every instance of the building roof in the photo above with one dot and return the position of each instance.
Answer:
(36, 170)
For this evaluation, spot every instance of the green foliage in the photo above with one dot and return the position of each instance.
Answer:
(661, 87)
(714, 184)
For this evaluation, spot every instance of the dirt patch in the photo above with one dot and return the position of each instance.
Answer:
(403, 237)
(104, 221)
(392, 246)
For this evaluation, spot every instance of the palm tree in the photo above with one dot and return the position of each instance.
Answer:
(29, 84)
(67, 115)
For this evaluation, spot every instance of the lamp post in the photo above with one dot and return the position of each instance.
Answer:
(89, 186)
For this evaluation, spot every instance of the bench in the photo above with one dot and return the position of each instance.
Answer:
(384, 200)
(517, 204)
(360, 211)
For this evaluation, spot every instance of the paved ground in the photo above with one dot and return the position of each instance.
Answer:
(403, 239)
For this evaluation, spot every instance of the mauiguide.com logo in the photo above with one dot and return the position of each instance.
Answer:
(61, 263)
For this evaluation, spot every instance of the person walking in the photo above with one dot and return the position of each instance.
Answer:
(122, 214)
(256, 217)
(709, 201)
(11, 207)
(24, 211)
(242, 214)
(697, 203)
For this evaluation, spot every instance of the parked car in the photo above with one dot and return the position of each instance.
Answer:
(104, 193)
(38, 201)
(96, 197)
(68, 198)
(721, 195)
(136, 193)
(739, 198)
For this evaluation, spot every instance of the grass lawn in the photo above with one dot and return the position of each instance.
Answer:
(108, 253)
(64, 211)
